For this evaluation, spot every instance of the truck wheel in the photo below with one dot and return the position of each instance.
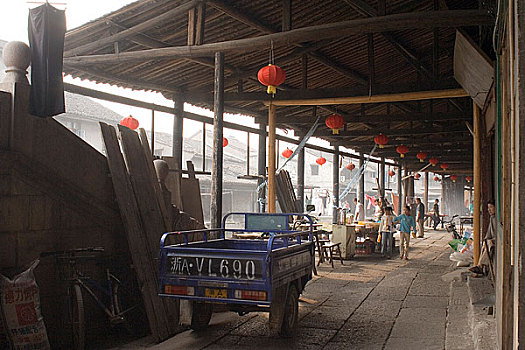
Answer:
(291, 312)
(201, 316)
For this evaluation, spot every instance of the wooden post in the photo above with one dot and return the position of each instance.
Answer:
(217, 158)
(400, 189)
(361, 188)
(335, 183)
(425, 194)
(203, 146)
(382, 176)
(152, 132)
(261, 166)
(405, 189)
(477, 184)
(300, 179)
(178, 121)
(271, 159)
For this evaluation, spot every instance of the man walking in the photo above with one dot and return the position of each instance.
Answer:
(435, 216)
(407, 225)
(420, 218)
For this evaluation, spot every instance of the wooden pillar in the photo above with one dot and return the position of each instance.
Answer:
(477, 184)
(400, 189)
(361, 188)
(178, 121)
(404, 185)
(335, 184)
(425, 194)
(152, 132)
(300, 179)
(271, 159)
(217, 158)
(261, 167)
(382, 176)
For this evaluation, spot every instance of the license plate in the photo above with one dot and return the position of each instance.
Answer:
(216, 293)
(238, 269)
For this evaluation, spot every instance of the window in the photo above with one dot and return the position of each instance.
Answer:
(314, 169)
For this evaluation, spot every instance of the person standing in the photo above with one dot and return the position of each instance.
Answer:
(359, 211)
(386, 229)
(435, 215)
(489, 241)
(420, 218)
(407, 224)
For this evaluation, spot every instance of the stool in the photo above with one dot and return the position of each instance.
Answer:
(329, 248)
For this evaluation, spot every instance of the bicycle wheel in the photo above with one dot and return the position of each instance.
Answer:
(76, 314)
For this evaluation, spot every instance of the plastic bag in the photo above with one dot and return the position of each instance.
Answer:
(20, 304)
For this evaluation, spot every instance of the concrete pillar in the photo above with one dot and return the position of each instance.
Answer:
(382, 176)
(178, 121)
(300, 179)
(361, 188)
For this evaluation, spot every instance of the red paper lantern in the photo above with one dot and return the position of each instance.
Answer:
(271, 76)
(402, 150)
(335, 122)
(417, 176)
(453, 178)
(287, 153)
(391, 173)
(444, 166)
(421, 156)
(468, 178)
(129, 122)
(320, 160)
(436, 178)
(224, 142)
(381, 140)
(350, 166)
(433, 161)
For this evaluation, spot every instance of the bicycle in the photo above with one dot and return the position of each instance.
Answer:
(79, 282)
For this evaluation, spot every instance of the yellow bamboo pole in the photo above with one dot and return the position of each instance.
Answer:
(477, 184)
(396, 97)
(271, 159)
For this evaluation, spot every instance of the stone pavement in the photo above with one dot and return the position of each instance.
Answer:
(369, 303)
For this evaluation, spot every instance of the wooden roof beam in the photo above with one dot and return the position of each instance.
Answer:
(451, 18)
(133, 30)
(393, 132)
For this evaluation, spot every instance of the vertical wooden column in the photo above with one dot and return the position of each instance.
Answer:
(178, 121)
(400, 189)
(261, 167)
(404, 185)
(335, 184)
(152, 132)
(300, 179)
(382, 176)
(361, 188)
(477, 184)
(425, 194)
(271, 159)
(217, 157)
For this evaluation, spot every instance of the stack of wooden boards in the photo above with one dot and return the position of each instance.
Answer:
(145, 216)
(285, 193)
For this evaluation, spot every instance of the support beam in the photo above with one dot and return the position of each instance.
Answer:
(361, 187)
(271, 159)
(425, 193)
(477, 184)
(382, 176)
(300, 179)
(413, 20)
(217, 158)
(396, 97)
(400, 189)
(142, 26)
(261, 167)
(178, 121)
(335, 183)
(393, 132)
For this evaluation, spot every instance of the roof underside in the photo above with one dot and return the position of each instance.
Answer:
(418, 58)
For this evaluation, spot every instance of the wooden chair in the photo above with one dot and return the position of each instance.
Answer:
(329, 249)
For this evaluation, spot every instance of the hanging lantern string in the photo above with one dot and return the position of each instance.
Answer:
(358, 175)
(300, 146)
(423, 168)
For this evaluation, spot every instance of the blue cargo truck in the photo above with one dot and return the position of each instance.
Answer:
(265, 270)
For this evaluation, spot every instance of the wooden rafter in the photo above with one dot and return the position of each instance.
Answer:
(393, 132)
